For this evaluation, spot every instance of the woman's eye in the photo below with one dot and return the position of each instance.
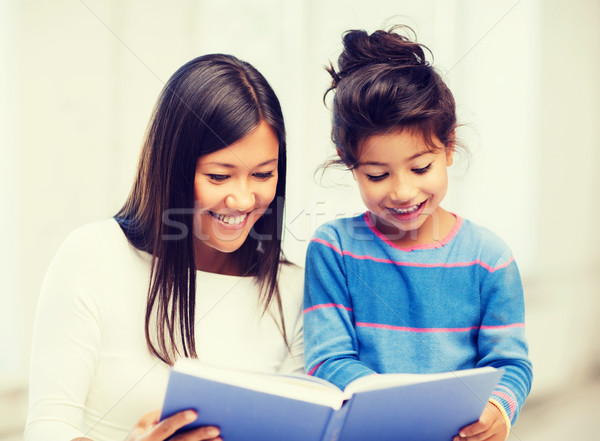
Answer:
(421, 171)
(263, 176)
(218, 178)
(376, 178)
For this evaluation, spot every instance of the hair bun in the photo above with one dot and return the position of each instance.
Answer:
(381, 47)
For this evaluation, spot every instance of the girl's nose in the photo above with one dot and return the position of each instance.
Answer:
(402, 191)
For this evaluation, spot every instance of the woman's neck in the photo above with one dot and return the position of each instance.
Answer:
(213, 261)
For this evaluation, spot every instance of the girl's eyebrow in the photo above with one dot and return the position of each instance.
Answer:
(358, 164)
(415, 156)
(227, 165)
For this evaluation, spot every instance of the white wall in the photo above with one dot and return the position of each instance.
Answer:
(11, 311)
(524, 76)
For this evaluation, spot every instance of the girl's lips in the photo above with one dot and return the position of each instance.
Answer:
(408, 216)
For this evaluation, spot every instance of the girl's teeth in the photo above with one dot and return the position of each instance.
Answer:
(231, 220)
(406, 210)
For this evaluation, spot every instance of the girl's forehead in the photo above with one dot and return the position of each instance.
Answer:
(403, 145)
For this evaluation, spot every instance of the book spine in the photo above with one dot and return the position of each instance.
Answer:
(336, 423)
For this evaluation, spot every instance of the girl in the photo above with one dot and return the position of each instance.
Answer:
(408, 286)
(175, 273)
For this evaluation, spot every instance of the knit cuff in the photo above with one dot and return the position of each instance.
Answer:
(501, 409)
(507, 400)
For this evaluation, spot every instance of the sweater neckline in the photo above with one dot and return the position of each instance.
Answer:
(427, 246)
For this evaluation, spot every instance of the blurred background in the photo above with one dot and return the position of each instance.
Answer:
(79, 80)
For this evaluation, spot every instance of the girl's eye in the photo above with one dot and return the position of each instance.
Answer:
(421, 171)
(263, 176)
(218, 178)
(376, 178)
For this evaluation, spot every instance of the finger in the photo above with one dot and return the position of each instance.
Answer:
(146, 423)
(474, 429)
(483, 436)
(150, 418)
(170, 425)
(480, 437)
(207, 433)
(496, 432)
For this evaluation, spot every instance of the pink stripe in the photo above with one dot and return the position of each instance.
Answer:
(512, 325)
(313, 370)
(412, 264)
(432, 330)
(327, 305)
(508, 391)
(511, 404)
(439, 244)
(408, 329)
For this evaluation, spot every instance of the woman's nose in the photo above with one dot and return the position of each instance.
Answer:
(241, 199)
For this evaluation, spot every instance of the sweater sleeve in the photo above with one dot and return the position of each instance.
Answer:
(331, 344)
(66, 341)
(501, 341)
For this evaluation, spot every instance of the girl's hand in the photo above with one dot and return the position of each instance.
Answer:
(149, 429)
(490, 427)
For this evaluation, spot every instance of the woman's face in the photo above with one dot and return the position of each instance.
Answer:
(233, 187)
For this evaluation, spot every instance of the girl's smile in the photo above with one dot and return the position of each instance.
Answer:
(407, 214)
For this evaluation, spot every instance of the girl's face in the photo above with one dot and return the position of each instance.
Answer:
(402, 183)
(233, 187)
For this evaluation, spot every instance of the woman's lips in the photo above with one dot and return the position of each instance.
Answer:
(231, 222)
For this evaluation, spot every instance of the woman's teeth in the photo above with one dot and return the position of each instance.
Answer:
(230, 220)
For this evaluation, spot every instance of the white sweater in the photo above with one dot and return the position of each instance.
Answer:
(91, 372)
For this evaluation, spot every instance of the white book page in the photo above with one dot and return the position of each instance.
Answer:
(299, 387)
(384, 381)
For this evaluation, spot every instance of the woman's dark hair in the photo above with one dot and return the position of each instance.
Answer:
(384, 83)
(208, 104)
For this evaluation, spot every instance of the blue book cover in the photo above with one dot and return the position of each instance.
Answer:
(271, 407)
(435, 409)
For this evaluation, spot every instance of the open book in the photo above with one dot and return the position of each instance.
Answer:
(254, 406)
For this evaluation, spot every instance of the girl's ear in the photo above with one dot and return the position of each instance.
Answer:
(450, 149)
(352, 170)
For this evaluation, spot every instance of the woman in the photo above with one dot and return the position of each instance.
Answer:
(191, 266)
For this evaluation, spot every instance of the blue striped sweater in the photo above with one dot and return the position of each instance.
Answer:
(372, 307)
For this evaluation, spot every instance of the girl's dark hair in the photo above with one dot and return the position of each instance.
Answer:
(384, 83)
(208, 104)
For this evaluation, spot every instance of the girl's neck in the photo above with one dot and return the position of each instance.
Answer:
(435, 228)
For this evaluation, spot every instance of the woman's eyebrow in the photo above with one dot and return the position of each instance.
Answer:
(220, 164)
(228, 165)
(268, 162)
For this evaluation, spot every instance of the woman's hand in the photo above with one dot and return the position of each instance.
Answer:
(148, 428)
(490, 427)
